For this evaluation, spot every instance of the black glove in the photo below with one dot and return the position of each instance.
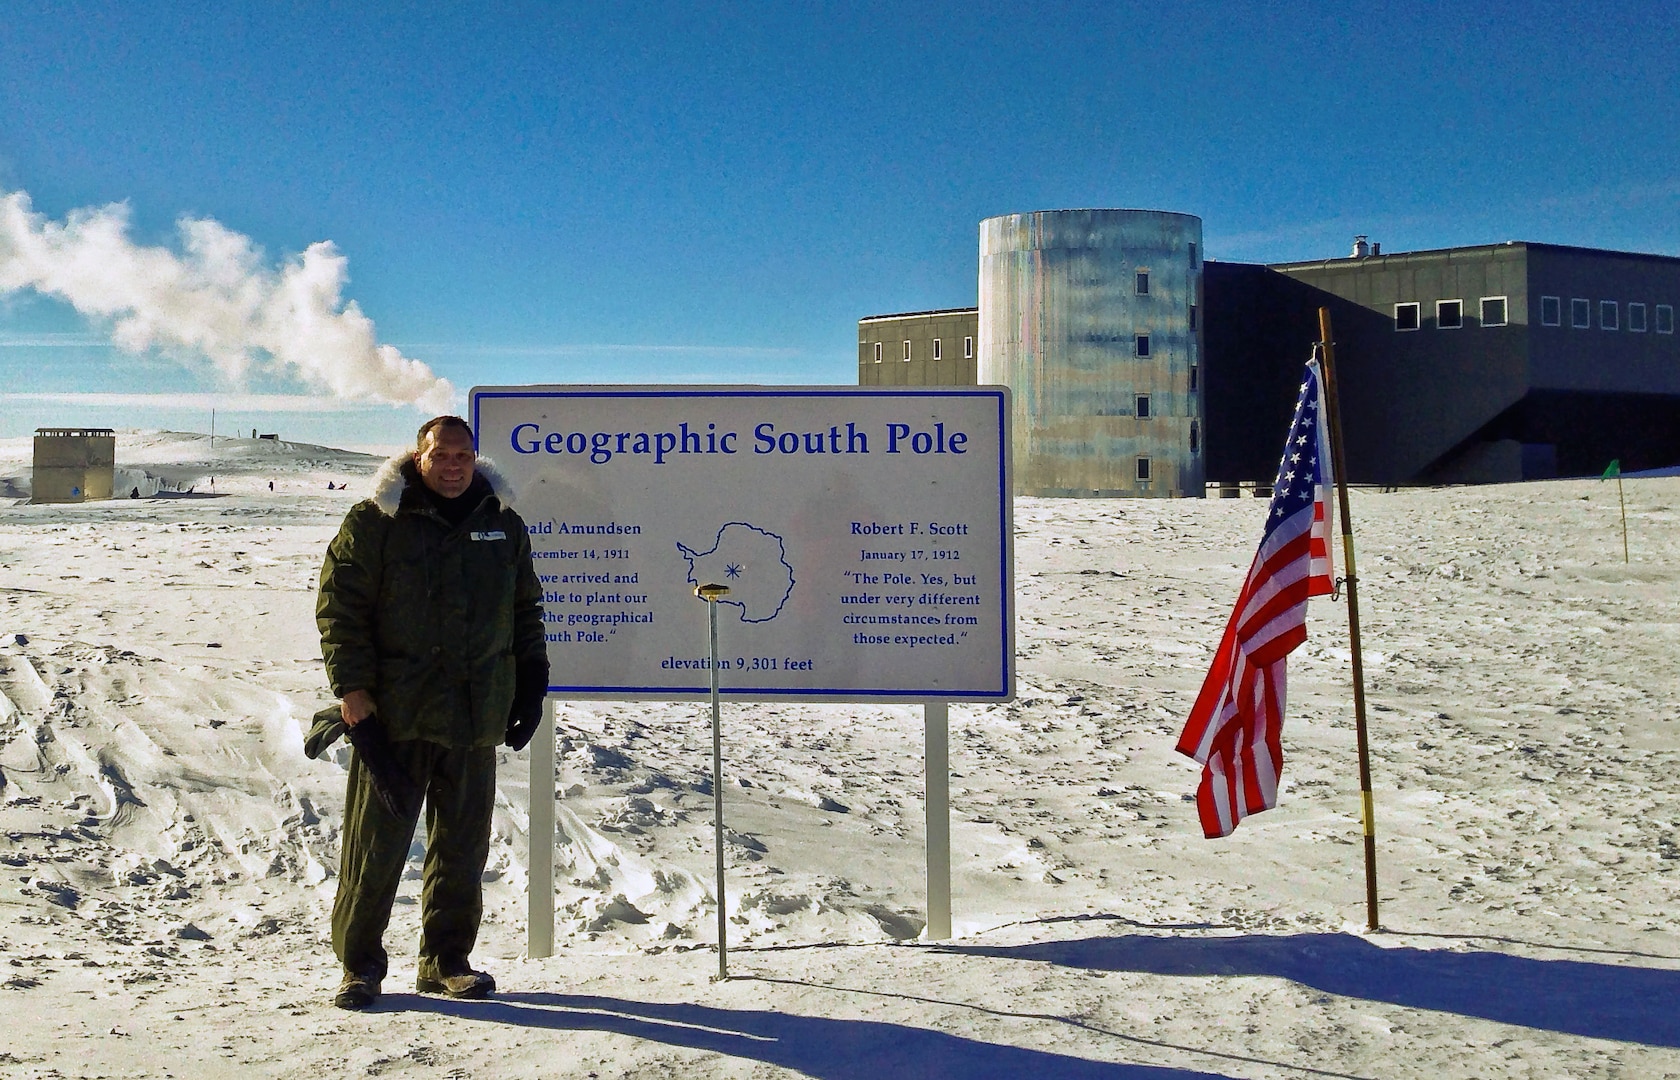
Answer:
(530, 687)
(328, 728)
(397, 792)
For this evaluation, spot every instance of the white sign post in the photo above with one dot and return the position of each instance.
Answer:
(539, 894)
(865, 535)
(936, 720)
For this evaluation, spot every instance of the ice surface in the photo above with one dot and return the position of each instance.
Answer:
(168, 855)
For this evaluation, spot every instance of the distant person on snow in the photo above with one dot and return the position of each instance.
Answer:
(431, 627)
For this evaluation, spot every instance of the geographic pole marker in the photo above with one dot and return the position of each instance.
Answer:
(711, 593)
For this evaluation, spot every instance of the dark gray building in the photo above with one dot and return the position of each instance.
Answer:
(1478, 364)
(1464, 365)
(918, 348)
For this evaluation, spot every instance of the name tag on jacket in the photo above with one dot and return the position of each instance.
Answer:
(496, 534)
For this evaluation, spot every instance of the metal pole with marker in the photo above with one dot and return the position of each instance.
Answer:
(1623, 501)
(711, 593)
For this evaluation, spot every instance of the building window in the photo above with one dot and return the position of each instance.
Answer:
(968, 348)
(1580, 313)
(1143, 344)
(936, 352)
(1193, 374)
(1449, 314)
(1192, 255)
(1143, 468)
(1608, 315)
(1665, 318)
(1551, 311)
(1192, 316)
(877, 352)
(906, 352)
(1406, 316)
(1195, 438)
(1143, 406)
(1493, 311)
(1143, 283)
(1636, 318)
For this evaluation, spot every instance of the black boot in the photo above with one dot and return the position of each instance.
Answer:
(357, 991)
(455, 978)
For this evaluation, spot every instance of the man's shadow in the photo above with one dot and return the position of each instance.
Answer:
(810, 1045)
(1601, 1001)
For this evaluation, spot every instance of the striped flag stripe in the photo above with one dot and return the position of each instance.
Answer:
(1235, 727)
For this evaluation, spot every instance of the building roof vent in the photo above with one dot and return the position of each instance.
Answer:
(1360, 248)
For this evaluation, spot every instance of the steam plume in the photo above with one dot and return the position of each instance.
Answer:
(215, 298)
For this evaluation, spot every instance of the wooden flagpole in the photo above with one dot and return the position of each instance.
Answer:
(1338, 463)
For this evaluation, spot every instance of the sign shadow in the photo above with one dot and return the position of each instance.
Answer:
(815, 1046)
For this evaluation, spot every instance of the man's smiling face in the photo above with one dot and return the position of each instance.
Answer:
(446, 460)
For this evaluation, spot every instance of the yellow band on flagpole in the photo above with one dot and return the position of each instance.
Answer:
(1370, 813)
(1347, 554)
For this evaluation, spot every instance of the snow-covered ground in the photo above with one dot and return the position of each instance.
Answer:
(168, 855)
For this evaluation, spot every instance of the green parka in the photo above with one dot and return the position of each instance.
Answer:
(432, 620)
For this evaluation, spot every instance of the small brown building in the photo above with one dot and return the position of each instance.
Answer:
(73, 464)
(918, 348)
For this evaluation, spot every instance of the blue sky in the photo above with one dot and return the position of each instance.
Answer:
(716, 193)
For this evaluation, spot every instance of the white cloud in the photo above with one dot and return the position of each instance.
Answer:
(583, 350)
(55, 341)
(231, 403)
(215, 298)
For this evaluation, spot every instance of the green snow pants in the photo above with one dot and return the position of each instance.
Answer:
(460, 786)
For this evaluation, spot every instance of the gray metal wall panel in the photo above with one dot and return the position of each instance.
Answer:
(1059, 320)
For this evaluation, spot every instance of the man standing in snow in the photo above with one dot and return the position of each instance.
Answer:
(431, 626)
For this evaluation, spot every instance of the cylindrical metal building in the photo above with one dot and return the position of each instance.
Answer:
(1090, 317)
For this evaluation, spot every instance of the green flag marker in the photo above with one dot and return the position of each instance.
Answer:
(1614, 469)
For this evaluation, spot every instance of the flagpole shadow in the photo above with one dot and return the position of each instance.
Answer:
(815, 1046)
(1589, 949)
(1572, 997)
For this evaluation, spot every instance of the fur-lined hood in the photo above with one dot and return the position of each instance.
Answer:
(394, 477)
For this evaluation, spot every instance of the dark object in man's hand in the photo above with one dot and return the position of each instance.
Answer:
(328, 727)
(396, 791)
(530, 688)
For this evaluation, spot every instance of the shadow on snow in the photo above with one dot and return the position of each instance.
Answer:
(811, 1045)
(1600, 1001)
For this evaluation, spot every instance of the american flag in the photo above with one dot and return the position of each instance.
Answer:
(1235, 727)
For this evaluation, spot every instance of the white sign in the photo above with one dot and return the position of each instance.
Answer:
(864, 533)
